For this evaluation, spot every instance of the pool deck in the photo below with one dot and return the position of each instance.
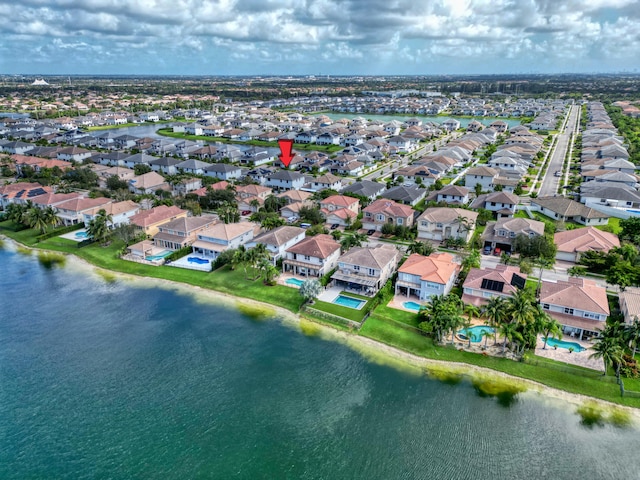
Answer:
(72, 235)
(283, 277)
(576, 358)
(398, 300)
(185, 263)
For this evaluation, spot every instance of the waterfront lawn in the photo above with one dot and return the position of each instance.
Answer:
(581, 381)
(393, 314)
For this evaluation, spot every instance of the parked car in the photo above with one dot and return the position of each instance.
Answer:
(370, 232)
(487, 250)
(334, 226)
(497, 251)
(246, 212)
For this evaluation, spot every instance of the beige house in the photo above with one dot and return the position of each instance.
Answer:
(502, 233)
(579, 305)
(149, 221)
(440, 223)
(426, 276)
(182, 231)
(383, 211)
(366, 269)
(313, 256)
(482, 284)
(72, 211)
(148, 183)
(214, 240)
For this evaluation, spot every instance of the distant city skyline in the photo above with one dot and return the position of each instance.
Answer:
(323, 37)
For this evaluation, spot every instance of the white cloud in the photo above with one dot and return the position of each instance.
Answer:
(400, 35)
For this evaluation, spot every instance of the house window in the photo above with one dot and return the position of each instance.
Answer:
(399, 221)
(502, 233)
(493, 204)
(595, 316)
(380, 218)
(512, 234)
(545, 306)
(307, 257)
(568, 311)
(424, 224)
(356, 268)
(438, 225)
(372, 272)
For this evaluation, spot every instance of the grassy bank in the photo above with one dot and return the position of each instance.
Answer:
(389, 326)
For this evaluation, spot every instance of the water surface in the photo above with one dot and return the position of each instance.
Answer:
(116, 380)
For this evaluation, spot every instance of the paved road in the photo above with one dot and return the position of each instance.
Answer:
(550, 182)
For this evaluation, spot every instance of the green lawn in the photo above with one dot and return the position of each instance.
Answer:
(553, 374)
(345, 312)
(614, 223)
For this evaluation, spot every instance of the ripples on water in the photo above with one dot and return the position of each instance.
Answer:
(105, 379)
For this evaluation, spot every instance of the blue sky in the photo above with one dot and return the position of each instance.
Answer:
(329, 37)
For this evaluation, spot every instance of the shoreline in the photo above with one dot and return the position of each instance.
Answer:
(371, 349)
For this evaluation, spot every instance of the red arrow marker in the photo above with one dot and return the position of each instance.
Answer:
(285, 151)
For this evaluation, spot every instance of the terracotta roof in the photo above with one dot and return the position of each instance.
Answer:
(320, 246)
(578, 293)
(437, 267)
(189, 224)
(389, 207)
(447, 215)
(502, 273)
(82, 204)
(156, 215)
(227, 231)
(584, 239)
(54, 198)
(147, 180)
(339, 201)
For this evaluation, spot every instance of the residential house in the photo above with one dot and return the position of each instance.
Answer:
(410, 195)
(223, 171)
(72, 211)
(214, 240)
(383, 211)
(427, 276)
(314, 256)
(502, 203)
(567, 210)
(482, 175)
(440, 223)
(149, 221)
(327, 181)
(278, 240)
(580, 305)
(366, 188)
(187, 185)
(453, 194)
(630, 304)
(181, 232)
(573, 243)
(149, 182)
(482, 284)
(120, 213)
(165, 165)
(366, 269)
(502, 233)
(285, 180)
(246, 194)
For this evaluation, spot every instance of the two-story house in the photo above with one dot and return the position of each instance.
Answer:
(502, 203)
(246, 194)
(181, 232)
(340, 209)
(285, 180)
(278, 240)
(120, 213)
(366, 269)
(482, 175)
(150, 220)
(502, 233)
(482, 284)
(440, 223)
(72, 211)
(384, 211)
(223, 171)
(427, 276)
(453, 194)
(214, 240)
(328, 181)
(578, 304)
(313, 256)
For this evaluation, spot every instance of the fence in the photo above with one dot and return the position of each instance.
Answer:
(331, 317)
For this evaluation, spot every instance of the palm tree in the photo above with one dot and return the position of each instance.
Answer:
(549, 327)
(15, 212)
(269, 272)
(608, 350)
(496, 311)
(471, 260)
(239, 257)
(35, 218)
(521, 307)
(633, 334)
(421, 248)
(98, 228)
(51, 216)
(510, 333)
(471, 311)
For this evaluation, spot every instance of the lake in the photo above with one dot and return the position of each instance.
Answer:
(120, 379)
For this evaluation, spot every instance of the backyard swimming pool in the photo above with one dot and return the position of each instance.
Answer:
(199, 261)
(159, 256)
(349, 302)
(81, 234)
(476, 333)
(554, 342)
(411, 306)
(294, 281)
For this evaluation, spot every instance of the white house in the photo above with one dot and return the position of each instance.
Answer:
(223, 236)
(278, 240)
